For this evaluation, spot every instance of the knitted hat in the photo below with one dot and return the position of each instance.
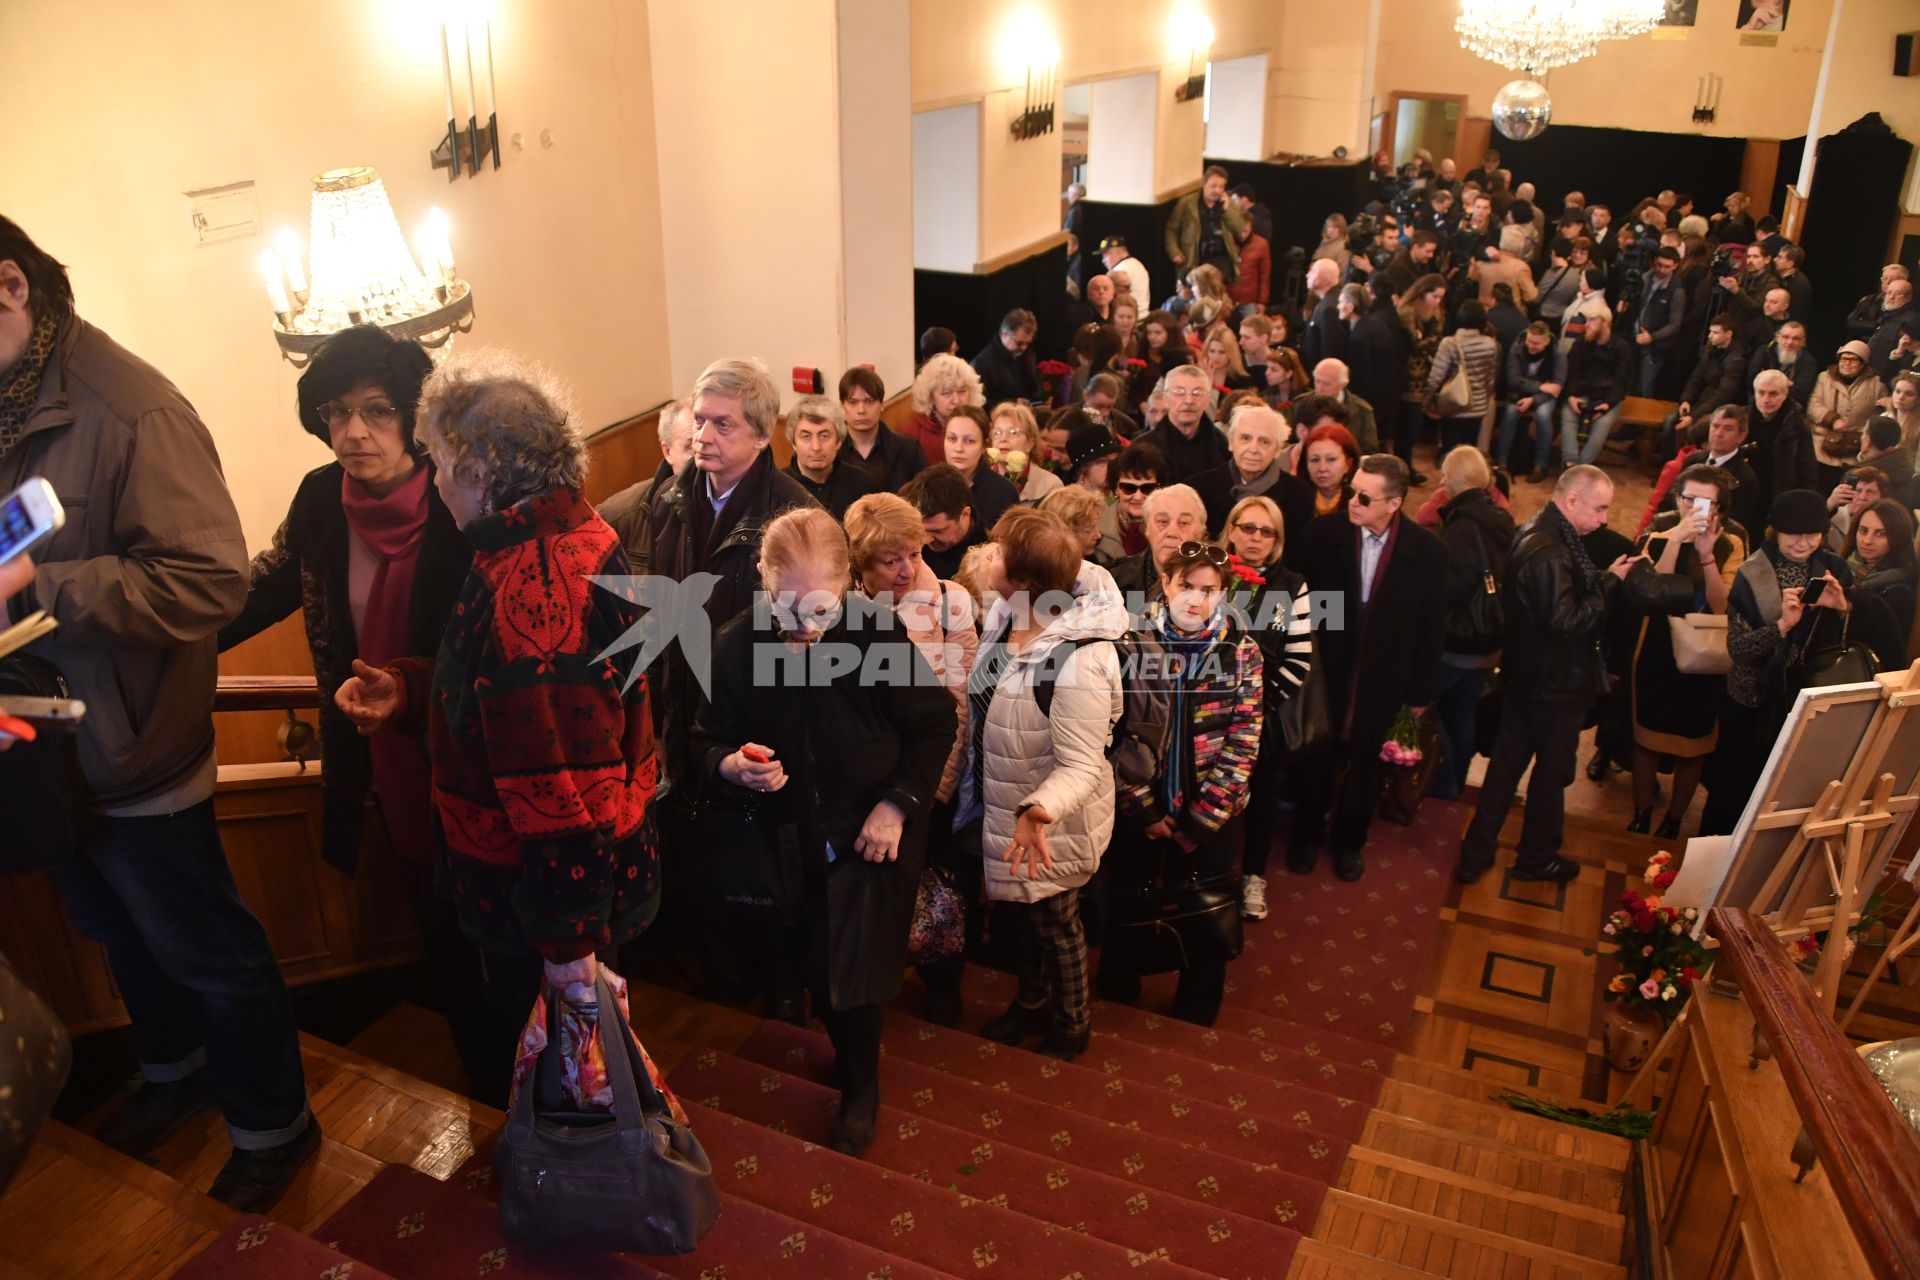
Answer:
(1799, 511)
(1856, 348)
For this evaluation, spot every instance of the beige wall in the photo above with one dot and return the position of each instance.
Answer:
(876, 149)
(1860, 78)
(142, 102)
(1643, 83)
(1321, 90)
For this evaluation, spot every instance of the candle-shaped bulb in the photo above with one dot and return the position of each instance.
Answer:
(438, 229)
(276, 287)
(289, 246)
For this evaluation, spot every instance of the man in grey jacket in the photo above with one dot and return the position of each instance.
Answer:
(150, 565)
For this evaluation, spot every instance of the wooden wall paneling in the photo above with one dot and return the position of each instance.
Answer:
(271, 831)
(1476, 135)
(1759, 167)
(251, 737)
(1704, 1208)
(1682, 1116)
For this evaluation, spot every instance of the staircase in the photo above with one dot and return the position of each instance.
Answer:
(1289, 1140)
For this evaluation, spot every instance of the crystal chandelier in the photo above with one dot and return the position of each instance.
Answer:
(362, 272)
(1533, 36)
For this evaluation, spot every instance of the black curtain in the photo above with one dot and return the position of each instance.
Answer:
(1851, 214)
(972, 305)
(1300, 196)
(1144, 227)
(1792, 150)
(1618, 167)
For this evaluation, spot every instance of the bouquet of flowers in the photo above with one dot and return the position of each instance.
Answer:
(1055, 377)
(1402, 746)
(1011, 463)
(1411, 753)
(1243, 587)
(1656, 947)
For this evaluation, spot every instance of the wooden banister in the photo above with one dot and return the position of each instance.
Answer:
(266, 693)
(1870, 1154)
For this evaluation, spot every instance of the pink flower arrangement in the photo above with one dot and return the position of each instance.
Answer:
(1402, 746)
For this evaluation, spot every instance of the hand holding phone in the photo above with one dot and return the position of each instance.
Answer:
(28, 516)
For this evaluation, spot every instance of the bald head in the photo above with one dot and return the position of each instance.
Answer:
(1330, 377)
(1322, 275)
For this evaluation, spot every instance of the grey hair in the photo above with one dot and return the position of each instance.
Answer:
(1356, 294)
(1249, 414)
(1186, 370)
(498, 419)
(816, 409)
(746, 380)
(1185, 493)
(1513, 238)
(1773, 378)
(1346, 374)
(676, 415)
(945, 371)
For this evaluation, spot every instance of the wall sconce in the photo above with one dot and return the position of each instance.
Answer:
(1706, 98)
(1043, 77)
(466, 146)
(1190, 33)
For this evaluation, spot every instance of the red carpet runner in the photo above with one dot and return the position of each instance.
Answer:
(1168, 1149)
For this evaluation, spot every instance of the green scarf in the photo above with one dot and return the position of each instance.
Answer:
(20, 385)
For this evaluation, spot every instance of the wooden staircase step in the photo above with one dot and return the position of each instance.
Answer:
(1504, 1124)
(1479, 1202)
(78, 1208)
(1318, 1260)
(1471, 1085)
(1487, 1159)
(1435, 1245)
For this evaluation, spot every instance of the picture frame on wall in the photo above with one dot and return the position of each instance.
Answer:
(1762, 15)
(1680, 13)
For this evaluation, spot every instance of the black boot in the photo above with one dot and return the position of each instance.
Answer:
(1018, 1023)
(253, 1181)
(153, 1112)
(1642, 821)
(1669, 828)
(856, 1047)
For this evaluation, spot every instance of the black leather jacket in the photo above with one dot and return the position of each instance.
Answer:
(1555, 621)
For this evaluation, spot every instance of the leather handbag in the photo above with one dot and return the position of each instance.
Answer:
(633, 1181)
(1844, 662)
(1700, 644)
(939, 927)
(46, 807)
(1306, 719)
(1479, 626)
(1456, 393)
(1178, 921)
(740, 859)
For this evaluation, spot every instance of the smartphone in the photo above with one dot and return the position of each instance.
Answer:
(1815, 588)
(28, 516)
(758, 757)
(57, 713)
(1703, 507)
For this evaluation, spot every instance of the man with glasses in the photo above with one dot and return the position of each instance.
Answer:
(1551, 671)
(1188, 439)
(150, 566)
(1381, 649)
(1175, 515)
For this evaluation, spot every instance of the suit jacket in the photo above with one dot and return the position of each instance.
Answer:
(1385, 658)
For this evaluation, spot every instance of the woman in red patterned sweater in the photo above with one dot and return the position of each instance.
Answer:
(542, 750)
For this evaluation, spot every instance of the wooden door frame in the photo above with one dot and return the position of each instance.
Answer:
(1391, 124)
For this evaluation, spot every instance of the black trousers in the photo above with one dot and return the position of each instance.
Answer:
(1330, 806)
(1134, 863)
(1263, 804)
(1547, 735)
(1734, 768)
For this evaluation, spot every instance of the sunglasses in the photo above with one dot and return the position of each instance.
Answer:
(1203, 553)
(1367, 499)
(1131, 487)
(1255, 530)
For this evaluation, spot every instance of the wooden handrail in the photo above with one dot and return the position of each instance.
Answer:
(266, 693)
(1871, 1154)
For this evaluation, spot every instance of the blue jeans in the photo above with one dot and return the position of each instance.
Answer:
(194, 966)
(1570, 449)
(1456, 703)
(1543, 410)
(1650, 367)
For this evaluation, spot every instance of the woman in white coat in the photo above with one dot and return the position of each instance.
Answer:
(1042, 777)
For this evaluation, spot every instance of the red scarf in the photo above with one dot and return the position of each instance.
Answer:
(392, 528)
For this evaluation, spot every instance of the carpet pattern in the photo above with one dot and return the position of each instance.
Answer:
(1167, 1149)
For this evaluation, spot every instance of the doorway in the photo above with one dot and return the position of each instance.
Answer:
(1433, 121)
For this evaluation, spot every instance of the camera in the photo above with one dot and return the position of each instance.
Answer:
(1726, 262)
(1361, 233)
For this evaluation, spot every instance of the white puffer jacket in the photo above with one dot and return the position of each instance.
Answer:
(1060, 765)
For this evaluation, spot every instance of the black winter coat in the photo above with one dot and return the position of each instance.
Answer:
(1386, 659)
(848, 743)
(734, 557)
(1291, 494)
(1555, 621)
(1784, 458)
(1376, 356)
(630, 514)
(1479, 537)
(1187, 458)
(1718, 377)
(845, 485)
(306, 569)
(1597, 372)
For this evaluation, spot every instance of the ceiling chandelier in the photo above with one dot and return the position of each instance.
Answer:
(362, 272)
(1534, 36)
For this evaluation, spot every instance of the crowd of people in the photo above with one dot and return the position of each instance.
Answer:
(1057, 644)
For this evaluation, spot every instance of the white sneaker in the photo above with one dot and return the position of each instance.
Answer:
(1253, 899)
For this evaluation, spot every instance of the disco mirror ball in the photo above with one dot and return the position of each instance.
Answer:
(1522, 109)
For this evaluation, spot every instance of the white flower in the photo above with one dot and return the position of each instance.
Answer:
(1668, 994)
(1676, 929)
(1608, 929)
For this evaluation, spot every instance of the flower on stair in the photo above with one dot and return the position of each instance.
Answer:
(1217, 1230)
(1137, 1203)
(822, 1195)
(493, 1260)
(901, 1223)
(411, 1225)
(795, 1243)
(253, 1237)
(985, 1256)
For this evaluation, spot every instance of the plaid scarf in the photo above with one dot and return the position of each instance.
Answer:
(20, 385)
(1582, 562)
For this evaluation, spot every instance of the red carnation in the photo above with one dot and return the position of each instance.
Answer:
(1054, 368)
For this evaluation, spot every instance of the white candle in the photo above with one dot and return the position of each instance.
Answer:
(466, 44)
(289, 247)
(486, 33)
(276, 288)
(446, 70)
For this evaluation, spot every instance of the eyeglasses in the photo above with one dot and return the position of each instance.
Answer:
(1132, 487)
(1255, 530)
(1367, 499)
(1205, 552)
(376, 416)
(1187, 393)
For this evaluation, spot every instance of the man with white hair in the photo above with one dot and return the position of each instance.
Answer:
(1324, 333)
(1120, 262)
(1256, 437)
(630, 510)
(1174, 515)
(1330, 379)
(1556, 605)
(1508, 266)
